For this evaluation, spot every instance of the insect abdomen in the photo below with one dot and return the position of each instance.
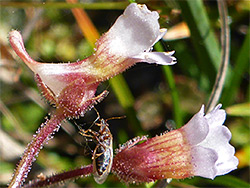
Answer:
(102, 164)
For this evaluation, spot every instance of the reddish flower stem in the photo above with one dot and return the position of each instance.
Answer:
(72, 174)
(44, 133)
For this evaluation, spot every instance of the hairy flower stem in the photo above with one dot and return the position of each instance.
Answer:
(58, 178)
(44, 133)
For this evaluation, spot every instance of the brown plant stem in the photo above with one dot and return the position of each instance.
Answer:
(58, 178)
(44, 133)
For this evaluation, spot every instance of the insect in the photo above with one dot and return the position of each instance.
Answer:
(103, 153)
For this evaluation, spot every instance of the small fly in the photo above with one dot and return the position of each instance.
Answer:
(103, 153)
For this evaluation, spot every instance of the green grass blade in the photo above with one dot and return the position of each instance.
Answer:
(224, 181)
(242, 109)
(126, 99)
(229, 181)
(202, 36)
(174, 93)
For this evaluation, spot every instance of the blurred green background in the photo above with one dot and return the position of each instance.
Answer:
(155, 94)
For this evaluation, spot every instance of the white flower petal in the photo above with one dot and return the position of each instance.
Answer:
(227, 166)
(203, 160)
(216, 117)
(216, 141)
(136, 31)
(197, 128)
(161, 58)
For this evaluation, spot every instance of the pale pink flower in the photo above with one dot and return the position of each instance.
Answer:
(199, 148)
(128, 41)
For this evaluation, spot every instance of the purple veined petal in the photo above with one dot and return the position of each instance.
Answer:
(160, 157)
